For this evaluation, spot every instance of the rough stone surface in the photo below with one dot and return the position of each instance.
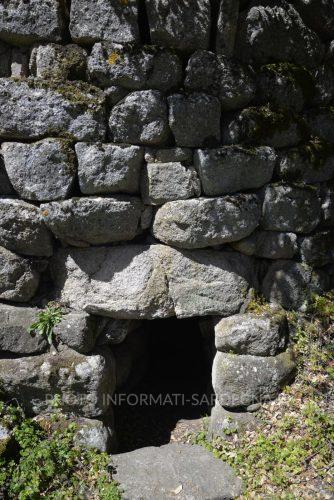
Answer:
(163, 281)
(162, 182)
(227, 26)
(28, 22)
(14, 336)
(288, 284)
(240, 381)
(194, 119)
(263, 334)
(225, 78)
(262, 126)
(268, 245)
(233, 168)
(203, 222)
(115, 331)
(327, 207)
(223, 422)
(22, 229)
(181, 26)
(89, 433)
(285, 86)
(78, 330)
(108, 168)
(96, 434)
(141, 118)
(272, 30)
(319, 15)
(41, 171)
(83, 381)
(291, 208)
(19, 63)
(32, 109)
(134, 68)
(295, 165)
(318, 249)
(169, 155)
(109, 20)
(63, 62)
(19, 278)
(156, 473)
(93, 220)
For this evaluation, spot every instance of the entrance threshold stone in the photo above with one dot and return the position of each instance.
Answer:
(179, 471)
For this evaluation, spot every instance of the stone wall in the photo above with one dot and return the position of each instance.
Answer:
(160, 158)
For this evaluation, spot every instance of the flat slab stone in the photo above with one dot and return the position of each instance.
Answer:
(183, 471)
(148, 282)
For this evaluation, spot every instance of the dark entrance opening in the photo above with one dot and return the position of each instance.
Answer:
(168, 398)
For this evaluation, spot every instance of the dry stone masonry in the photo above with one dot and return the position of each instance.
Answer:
(161, 158)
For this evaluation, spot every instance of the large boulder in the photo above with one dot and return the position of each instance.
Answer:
(243, 380)
(35, 108)
(148, 282)
(62, 62)
(229, 80)
(195, 119)
(185, 27)
(19, 277)
(108, 168)
(22, 229)
(317, 249)
(85, 383)
(310, 163)
(162, 182)
(41, 171)
(272, 30)
(110, 20)
(263, 334)
(204, 222)
(14, 335)
(291, 208)
(134, 68)
(263, 126)
(233, 168)
(24, 23)
(268, 245)
(93, 220)
(141, 118)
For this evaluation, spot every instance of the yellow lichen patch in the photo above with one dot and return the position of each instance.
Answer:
(113, 58)
(124, 2)
(45, 213)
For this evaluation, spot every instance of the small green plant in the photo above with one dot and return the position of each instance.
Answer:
(47, 463)
(46, 321)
